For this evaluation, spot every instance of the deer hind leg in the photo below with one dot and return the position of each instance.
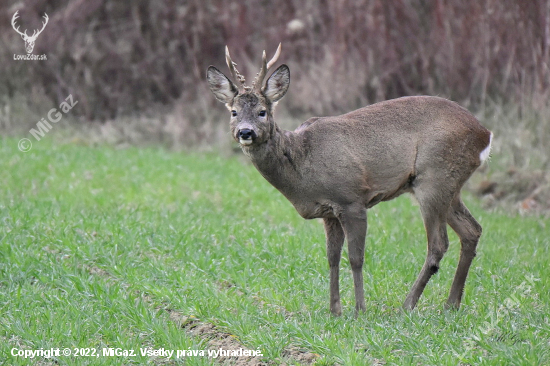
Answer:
(335, 241)
(469, 231)
(354, 223)
(434, 205)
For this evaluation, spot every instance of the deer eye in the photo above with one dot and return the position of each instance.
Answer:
(262, 114)
(234, 113)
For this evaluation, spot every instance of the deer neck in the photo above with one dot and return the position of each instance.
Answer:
(278, 159)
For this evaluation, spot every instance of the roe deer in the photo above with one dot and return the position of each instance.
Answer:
(335, 168)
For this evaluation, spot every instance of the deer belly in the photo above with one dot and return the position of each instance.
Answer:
(314, 210)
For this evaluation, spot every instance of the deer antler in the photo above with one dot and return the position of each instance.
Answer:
(234, 72)
(24, 34)
(13, 19)
(37, 32)
(257, 84)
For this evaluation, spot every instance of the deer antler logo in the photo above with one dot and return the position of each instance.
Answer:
(29, 40)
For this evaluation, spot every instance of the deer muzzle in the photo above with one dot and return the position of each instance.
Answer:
(246, 136)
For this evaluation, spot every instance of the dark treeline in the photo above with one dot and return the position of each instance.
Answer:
(125, 57)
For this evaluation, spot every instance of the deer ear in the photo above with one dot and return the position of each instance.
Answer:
(222, 88)
(277, 84)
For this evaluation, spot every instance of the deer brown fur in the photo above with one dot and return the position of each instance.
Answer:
(335, 168)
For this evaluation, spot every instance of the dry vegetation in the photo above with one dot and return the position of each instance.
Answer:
(137, 68)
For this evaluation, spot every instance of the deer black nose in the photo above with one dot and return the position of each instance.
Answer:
(246, 134)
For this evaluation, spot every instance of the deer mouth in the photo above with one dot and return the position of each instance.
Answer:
(245, 142)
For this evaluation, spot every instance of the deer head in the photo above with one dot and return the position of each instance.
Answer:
(29, 40)
(251, 107)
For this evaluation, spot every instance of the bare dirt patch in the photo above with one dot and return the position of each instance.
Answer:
(303, 356)
(216, 339)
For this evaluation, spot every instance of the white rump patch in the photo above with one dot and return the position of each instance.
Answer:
(487, 151)
(248, 142)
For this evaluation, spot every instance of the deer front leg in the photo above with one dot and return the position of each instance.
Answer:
(354, 223)
(335, 241)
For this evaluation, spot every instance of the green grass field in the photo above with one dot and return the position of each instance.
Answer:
(134, 248)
